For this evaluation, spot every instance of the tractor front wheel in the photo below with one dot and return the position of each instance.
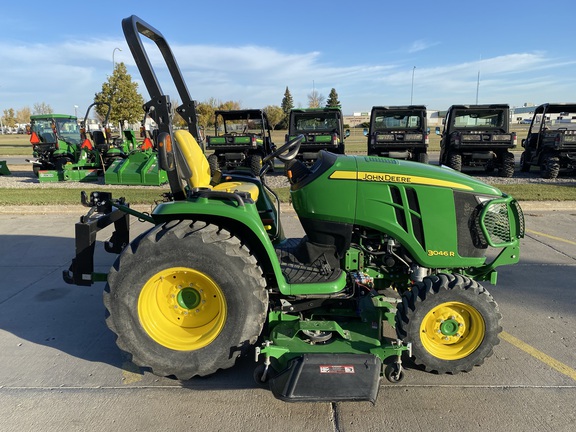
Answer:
(185, 299)
(452, 322)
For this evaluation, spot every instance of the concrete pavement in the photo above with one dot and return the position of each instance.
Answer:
(61, 369)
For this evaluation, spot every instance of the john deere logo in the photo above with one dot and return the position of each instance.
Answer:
(395, 178)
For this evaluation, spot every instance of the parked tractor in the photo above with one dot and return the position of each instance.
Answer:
(322, 128)
(551, 140)
(390, 267)
(55, 140)
(399, 132)
(478, 136)
(242, 138)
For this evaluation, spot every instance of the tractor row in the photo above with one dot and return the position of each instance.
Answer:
(63, 150)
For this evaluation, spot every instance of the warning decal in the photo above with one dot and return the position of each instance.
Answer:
(337, 369)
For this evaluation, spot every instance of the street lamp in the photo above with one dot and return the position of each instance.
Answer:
(412, 89)
(113, 63)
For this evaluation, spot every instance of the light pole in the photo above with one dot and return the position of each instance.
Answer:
(113, 63)
(412, 88)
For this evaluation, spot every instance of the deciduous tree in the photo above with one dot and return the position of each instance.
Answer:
(275, 115)
(122, 93)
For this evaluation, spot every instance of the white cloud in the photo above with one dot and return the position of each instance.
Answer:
(68, 74)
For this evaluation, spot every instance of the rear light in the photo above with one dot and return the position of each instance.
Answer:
(426, 140)
(254, 142)
(334, 139)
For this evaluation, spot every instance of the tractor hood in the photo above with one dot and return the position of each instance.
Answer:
(338, 186)
(395, 171)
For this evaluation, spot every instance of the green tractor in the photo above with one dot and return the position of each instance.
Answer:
(56, 141)
(390, 266)
(242, 138)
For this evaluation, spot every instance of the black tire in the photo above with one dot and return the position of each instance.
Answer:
(455, 161)
(255, 164)
(214, 164)
(525, 161)
(36, 170)
(452, 322)
(550, 167)
(506, 165)
(186, 299)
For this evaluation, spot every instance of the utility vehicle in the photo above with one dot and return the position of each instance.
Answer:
(399, 132)
(242, 138)
(322, 128)
(551, 140)
(390, 265)
(478, 136)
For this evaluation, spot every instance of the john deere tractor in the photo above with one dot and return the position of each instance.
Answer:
(55, 140)
(390, 267)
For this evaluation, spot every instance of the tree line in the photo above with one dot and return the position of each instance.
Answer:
(126, 105)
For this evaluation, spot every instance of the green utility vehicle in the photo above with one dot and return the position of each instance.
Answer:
(399, 132)
(478, 136)
(551, 140)
(242, 138)
(55, 140)
(322, 128)
(390, 265)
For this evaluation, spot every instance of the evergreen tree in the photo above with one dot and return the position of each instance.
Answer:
(333, 101)
(286, 105)
(122, 94)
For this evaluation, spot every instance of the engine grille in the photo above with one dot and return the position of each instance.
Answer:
(497, 223)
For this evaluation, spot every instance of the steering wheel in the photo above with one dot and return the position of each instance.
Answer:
(290, 148)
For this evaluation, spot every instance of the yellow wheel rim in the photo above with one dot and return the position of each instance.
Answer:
(452, 330)
(182, 309)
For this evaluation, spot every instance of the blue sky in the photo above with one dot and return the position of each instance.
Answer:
(373, 52)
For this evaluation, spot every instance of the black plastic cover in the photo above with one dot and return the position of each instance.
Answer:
(329, 378)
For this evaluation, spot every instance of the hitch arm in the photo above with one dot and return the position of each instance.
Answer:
(81, 271)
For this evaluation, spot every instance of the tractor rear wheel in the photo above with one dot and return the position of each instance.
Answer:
(185, 299)
(452, 322)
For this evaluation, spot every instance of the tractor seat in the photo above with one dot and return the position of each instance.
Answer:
(98, 137)
(199, 168)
